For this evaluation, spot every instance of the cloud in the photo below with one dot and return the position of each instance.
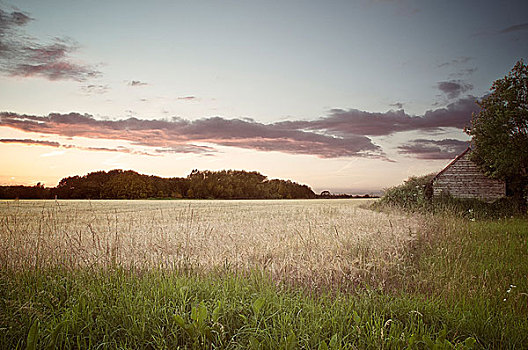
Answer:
(455, 61)
(32, 142)
(137, 83)
(23, 56)
(398, 105)
(190, 148)
(93, 89)
(342, 133)
(186, 98)
(515, 28)
(355, 122)
(433, 149)
(181, 135)
(454, 88)
(463, 72)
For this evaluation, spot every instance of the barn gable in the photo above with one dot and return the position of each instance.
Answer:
(463, 179)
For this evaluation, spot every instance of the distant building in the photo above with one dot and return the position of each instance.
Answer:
(462, 178)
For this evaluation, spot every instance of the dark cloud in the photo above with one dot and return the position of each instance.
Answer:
(137, 83)
(434, 149)
(354, 122)
(23, 56)
(13, 19)
(515, 28)
(398, 105)
(342, 133)
(180, 135)
(454, 88)
(31, 142)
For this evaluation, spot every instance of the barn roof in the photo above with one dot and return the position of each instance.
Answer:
(452, 162)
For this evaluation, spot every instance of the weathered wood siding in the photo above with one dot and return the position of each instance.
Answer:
(463, 179)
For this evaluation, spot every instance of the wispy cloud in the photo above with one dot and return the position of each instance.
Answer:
(515, 28)
(456, 61)
(433, 149)
(137, 83)
(94, 89)
(32, 142)
(464, 72)
(23, 56)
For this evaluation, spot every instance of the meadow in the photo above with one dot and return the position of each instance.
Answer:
(260, 274)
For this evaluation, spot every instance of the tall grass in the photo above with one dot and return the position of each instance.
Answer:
(162, 309)
(452, 282)
(325, 243)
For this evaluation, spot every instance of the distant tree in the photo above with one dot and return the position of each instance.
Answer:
(325, 194)
(127, 184)
(500, 130)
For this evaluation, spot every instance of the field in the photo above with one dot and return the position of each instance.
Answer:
(260, 274)
(314, 243)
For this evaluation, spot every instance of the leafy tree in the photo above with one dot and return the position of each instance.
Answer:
(120, 184)
(500, 130)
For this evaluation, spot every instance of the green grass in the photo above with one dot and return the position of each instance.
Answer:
(156, 309)
(461, 281)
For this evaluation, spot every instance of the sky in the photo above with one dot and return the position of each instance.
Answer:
(346, 96)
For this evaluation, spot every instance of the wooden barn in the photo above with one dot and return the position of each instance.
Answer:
(463, 179)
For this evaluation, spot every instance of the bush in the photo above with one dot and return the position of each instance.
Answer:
(412, 195)
(415, 195)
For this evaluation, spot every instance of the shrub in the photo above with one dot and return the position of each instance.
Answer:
(415, 195)
(412, 195)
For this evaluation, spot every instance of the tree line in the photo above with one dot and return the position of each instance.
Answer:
(128, 184)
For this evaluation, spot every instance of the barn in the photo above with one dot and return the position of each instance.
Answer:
(463, 179)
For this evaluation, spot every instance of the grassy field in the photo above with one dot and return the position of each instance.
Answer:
(314, 243)
(312, 274)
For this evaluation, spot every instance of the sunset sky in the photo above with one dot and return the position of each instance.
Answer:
(346, 96)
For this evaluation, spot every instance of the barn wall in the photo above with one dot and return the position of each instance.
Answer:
(463, 179)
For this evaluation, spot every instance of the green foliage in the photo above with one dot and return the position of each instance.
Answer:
(474, 209)
(463, 285)
(478, 266)
(411, 195)
(415, 195)
(156, 309)
(500, 130)
(120, 184)
(25, 192)
(235, 184)
(471, 294)
(32, 338)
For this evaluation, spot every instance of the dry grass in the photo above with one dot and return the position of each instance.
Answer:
(309, 242)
